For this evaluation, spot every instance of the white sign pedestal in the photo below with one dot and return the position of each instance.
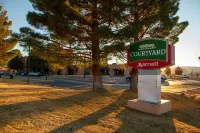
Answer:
(149, 93)
(149, 85)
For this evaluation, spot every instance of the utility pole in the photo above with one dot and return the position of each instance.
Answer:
(84, 68)
(28, 64)
(46, 71)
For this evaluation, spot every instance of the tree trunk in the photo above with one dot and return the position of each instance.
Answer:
(134, 79)
(97, 79)
(134, 73)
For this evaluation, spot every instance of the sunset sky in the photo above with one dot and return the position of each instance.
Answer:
(187, 49)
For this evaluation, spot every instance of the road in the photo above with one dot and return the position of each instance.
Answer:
(75, 83)
(114, 82)
(70, 83)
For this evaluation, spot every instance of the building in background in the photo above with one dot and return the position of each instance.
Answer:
(112, 70)
(118, 70)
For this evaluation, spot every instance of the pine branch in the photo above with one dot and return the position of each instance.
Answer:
(78, 14)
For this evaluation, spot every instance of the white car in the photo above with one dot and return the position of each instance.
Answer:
(34, 73)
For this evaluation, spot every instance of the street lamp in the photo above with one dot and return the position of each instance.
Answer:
(28, 81)
(84, 68)
(46, 71)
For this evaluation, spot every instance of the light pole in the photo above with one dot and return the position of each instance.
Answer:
(28, 81)
(84, 68)
(46, 71)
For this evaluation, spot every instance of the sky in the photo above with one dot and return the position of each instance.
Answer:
(187, 49)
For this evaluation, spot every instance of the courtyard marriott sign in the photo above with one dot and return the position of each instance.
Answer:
(150, 54)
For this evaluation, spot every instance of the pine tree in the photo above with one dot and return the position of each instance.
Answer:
(92, 24)
(6, 43)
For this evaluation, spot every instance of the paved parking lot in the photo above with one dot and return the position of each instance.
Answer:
(171, 86)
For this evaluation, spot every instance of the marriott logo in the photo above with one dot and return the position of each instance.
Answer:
(147, 64)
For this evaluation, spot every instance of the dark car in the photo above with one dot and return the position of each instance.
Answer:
(42, 74)
(7, 73)
(128, 78)
(184, 77)
(163, 78)
(24, 74)
(18, 73)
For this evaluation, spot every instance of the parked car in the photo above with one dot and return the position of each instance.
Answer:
(163, 78)
(24, 74)
(184, 76)
(128, 78)
(42, 74)
(7, 73)
(37, 74)
(19, 73)
(34, 73)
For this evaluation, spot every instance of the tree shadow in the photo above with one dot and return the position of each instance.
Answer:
(31, 94)
(139, 122)
(185, 109)
(94, 117)
(19, 110)
(136, 121)
(132, 121)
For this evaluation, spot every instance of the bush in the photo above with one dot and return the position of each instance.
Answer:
(178, 71)
(168, 71)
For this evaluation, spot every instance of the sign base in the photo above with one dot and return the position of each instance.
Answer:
(163, 107)
(149, 85)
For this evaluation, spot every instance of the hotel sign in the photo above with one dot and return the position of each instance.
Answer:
(151, 54)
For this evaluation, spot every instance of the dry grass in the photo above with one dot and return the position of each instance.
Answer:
(35, 109)
(178, 87)
(193, 94)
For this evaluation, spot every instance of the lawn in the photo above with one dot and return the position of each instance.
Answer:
(35, 109)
